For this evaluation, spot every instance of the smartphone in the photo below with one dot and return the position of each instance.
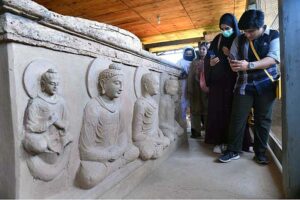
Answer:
(212, 54)
(231, 57)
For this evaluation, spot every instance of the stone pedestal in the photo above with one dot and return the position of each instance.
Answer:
(30, 33)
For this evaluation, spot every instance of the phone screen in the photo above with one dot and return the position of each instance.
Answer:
(212, 54)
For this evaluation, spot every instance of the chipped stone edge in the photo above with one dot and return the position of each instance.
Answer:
(84, 30)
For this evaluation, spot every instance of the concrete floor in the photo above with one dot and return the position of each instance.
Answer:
(193, 172)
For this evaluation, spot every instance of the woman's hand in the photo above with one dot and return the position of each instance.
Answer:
(226, 51)
(239, 65)
(214, 61)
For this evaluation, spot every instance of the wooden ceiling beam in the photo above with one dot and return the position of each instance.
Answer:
(187, 14)
(175, 42)
(178, 19)
(172, 48)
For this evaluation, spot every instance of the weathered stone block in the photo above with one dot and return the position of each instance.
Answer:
(33, 40)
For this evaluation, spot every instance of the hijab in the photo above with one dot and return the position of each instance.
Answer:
(231, 21)
(189, 57)
(186, 61)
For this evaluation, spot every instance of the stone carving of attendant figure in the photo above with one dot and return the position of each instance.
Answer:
(104, 144)
(167, 122)
(46, 124)
(146, 133)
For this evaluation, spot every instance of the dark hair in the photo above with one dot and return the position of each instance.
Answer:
(190, 58)
(251, 19)
(230, 20)
(202, 44)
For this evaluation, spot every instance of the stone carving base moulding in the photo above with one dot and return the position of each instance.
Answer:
(122, 182)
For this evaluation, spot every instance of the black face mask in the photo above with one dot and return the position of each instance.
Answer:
(189, 57)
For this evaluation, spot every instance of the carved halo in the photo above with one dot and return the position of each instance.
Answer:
(96, 66)
(163, 77)
(140, 71)
(32, 76)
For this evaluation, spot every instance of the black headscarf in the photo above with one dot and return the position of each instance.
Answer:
(220, 72)
(191, 57)
(231, 21)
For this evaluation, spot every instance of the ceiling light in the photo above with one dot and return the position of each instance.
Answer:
(158, 19)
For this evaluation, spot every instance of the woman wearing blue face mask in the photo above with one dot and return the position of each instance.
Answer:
(220, 79)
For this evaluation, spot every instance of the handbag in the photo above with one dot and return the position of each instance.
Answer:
(202, 81)
(278, 82)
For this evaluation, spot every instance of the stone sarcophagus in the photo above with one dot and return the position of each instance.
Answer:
(81, 115)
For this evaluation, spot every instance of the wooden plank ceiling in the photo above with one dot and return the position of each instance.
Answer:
(155, 22)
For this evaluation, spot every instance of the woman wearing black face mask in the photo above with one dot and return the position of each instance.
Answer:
(189, 55)
(220, 79)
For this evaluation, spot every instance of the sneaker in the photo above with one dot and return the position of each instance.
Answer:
(261, 158)
(251, 149)
(229, 156)
(223, 148)
(217, 149)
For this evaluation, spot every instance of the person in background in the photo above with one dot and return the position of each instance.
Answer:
(220, 80)
(254, 57)
(207, 44)
(197, 97)
(184, 64)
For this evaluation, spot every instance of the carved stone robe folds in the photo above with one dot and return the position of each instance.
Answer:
(103, 145)
(146, 133)
(43, 139)
(167, 122)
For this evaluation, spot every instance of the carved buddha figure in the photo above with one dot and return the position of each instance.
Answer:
(104, 144)
(146, 133)
(46, 135)
(167, 122)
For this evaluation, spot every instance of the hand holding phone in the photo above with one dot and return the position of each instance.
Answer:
(211, 54)
(231, 57)
(214, 61)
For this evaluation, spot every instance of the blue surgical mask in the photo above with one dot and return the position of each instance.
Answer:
(227, 33)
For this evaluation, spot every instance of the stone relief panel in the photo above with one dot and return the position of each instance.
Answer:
(146, 133)
(104, 144)
(167, 121)
(46, 137)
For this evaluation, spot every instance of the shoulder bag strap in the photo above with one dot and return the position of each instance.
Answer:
(219, 42)
(258, 58)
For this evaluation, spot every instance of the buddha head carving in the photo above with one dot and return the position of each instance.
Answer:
(150, 84)
(50, 82)
(110, 81)
(171, 86)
